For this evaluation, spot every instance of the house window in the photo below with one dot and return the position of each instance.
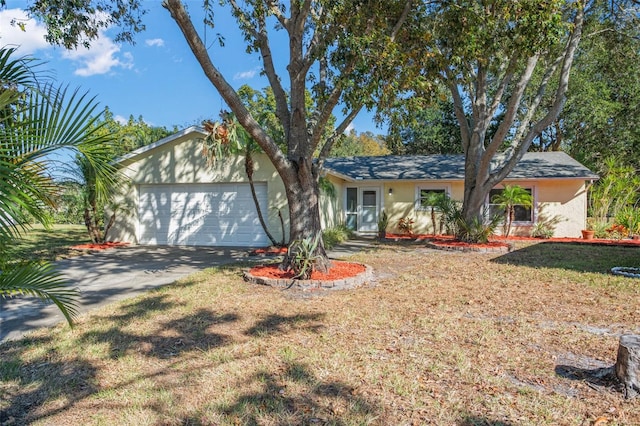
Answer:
(352, 209)
(521, 213)
(425, 197)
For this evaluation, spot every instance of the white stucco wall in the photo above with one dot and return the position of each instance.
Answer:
(560, 203)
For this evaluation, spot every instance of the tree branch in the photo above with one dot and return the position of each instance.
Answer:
(340, 129)
(512, 106)
(401, 20)
(273, 7)
(559, 98)
(458, 107)
(179, 14)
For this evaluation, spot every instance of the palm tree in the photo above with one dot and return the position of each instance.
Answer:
(37, 122)
(438, 202)
(447, 208)
(510, 197)
(94, 195)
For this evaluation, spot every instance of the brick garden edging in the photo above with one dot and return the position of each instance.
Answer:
(309, 285)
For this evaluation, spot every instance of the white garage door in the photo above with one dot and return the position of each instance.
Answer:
(201, 214)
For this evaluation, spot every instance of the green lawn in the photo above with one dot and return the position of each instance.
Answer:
(440, 338)
(41, 244)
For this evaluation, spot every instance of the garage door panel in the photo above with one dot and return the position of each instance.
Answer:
(201, 214)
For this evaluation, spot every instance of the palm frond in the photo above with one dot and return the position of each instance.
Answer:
(43, 281)
(18, 72)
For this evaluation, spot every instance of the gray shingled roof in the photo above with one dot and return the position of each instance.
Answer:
(534, 165)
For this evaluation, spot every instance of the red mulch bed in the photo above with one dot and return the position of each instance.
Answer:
(102, 246)
(498, 241)
(338, 270)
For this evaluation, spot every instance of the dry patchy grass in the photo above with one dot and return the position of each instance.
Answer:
(440, 338)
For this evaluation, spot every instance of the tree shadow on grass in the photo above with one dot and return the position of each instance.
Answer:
(27, 389)
(140, 308)
(600, 378)
(28, 385)
(482, 421)
(572, 256)
(170, 339)
(280, 324)
(294, 395)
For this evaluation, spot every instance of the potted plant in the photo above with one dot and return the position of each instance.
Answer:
(383, 223)
(587, 234)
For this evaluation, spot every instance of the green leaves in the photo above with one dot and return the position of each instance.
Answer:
(43, 281)
(38, 122)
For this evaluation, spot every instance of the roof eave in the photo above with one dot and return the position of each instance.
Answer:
(171, 138)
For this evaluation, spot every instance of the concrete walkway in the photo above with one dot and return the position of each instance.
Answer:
(114, 274)
(117, 274)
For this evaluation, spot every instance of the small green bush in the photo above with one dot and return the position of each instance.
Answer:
(477, 230)
(333, 236)
(542, 230)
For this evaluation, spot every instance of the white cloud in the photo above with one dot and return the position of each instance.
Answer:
(120, 119)
(29, 40)
(101, 58)
(154, 42)
(245, 75)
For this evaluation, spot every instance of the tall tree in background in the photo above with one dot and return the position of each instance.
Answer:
(486, 55)
(596, 123)
(359, 145)
(429, 129)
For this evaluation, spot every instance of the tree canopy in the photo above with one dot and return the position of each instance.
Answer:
(430, 129)
(596, 122)
(360, 144)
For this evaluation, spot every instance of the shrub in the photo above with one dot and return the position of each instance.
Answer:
(303, 257)
(617, 231)
(629, 217)
(599, 228)
(406, 225)
(333, 236)
(477, 230)
(542, 230)
(383, 223)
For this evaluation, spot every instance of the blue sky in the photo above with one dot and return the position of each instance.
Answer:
(157, 78)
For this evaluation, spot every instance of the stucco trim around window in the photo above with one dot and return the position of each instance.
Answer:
(532, 212)
(422, 189)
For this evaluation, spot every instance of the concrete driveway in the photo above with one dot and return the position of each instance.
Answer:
(114, 274)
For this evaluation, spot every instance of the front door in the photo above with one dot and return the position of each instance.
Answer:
(362, 209)
(369, 211)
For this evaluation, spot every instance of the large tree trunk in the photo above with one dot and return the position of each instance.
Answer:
(517, 117)
(304, 212)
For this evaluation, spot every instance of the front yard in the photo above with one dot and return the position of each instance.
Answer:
(438, 338)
